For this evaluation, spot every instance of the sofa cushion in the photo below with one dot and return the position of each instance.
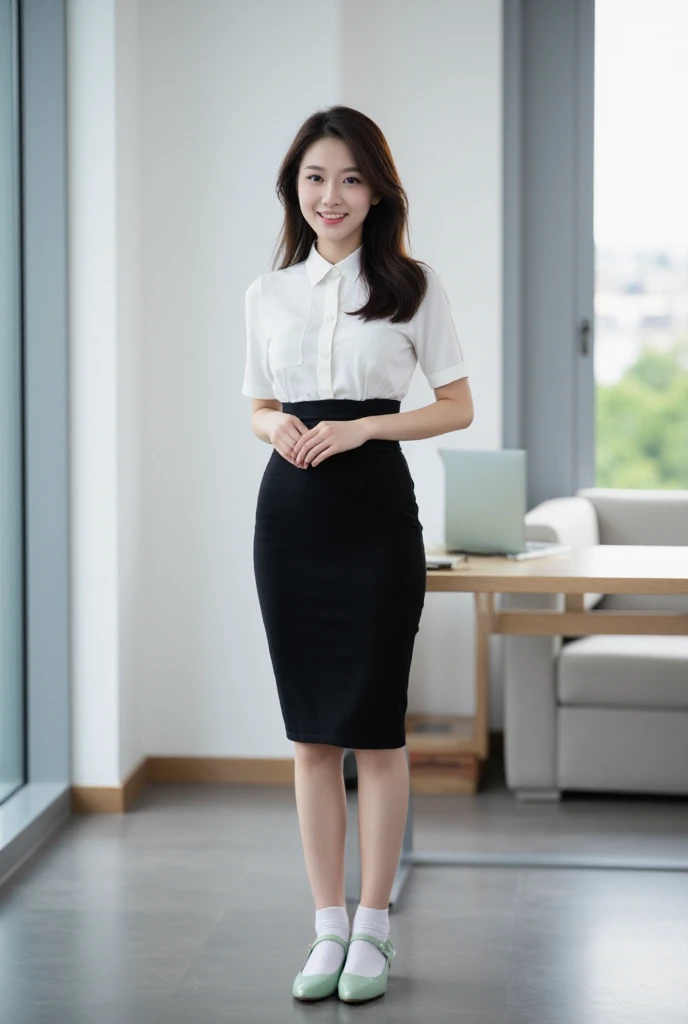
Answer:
(627, 516)
(624, 671)
(649, 517)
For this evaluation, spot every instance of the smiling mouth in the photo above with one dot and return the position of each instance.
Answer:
(340, 216)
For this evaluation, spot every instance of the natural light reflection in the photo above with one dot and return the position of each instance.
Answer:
(617, 963)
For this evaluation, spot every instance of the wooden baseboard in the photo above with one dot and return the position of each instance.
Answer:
(111, 799)
(257, 771)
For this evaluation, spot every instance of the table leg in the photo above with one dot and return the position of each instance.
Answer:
(484, 621)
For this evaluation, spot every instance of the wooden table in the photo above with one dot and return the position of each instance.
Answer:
(605, 569)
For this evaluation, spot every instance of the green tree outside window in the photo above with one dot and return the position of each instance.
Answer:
(642, 423)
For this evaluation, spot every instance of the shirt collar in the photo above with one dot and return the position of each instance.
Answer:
(317, 266)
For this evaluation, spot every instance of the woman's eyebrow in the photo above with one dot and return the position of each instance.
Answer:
(344, 170)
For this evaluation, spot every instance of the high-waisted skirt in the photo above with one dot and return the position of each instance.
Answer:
(340, 571)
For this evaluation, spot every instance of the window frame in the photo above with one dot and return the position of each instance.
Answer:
(41, 806)
(549, 251)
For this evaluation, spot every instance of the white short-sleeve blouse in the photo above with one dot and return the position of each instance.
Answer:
(302, 346)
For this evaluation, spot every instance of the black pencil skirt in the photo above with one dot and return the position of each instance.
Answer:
(340, 572)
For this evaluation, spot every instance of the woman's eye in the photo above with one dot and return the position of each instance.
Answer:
(350, 178)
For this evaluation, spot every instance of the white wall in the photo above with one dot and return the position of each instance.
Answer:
(222, 87)
(106, 404)
(429, 73)
(93, 343)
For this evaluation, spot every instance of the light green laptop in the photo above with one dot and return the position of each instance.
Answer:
(485, 502)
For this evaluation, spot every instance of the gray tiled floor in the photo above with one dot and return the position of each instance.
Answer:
(195, 907)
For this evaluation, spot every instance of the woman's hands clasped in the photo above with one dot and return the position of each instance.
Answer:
(329, 437)
(303, 447)
(284, 433)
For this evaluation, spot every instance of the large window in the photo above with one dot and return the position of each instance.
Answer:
(34, 440)
(641, 243)
(12, 714)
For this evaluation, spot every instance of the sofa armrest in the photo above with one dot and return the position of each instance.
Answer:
(530, 700)
(569, 520)
(530, 662)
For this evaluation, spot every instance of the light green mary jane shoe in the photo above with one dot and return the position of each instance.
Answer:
(319, 986)
(356, 988)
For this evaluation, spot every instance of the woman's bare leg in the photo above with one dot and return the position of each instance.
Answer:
(383, 795)
(321, 807)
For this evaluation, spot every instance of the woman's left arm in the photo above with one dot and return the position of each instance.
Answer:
(453, 410)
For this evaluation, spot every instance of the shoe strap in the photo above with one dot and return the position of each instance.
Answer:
(332, 938)
(385, 947)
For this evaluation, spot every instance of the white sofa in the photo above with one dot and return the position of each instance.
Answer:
(606, 713)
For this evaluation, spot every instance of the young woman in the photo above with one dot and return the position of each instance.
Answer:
(333, 338)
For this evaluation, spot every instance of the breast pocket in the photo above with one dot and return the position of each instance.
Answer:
(286, 348)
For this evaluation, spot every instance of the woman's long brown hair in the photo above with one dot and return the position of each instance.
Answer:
(396, 282)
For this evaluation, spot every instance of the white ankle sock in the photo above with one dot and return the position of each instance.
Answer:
(363, 958)
(327, 956)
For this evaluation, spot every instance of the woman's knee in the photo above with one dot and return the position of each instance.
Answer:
(317, 753)
(381, 756)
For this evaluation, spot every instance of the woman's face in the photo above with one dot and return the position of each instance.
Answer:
(330, 183)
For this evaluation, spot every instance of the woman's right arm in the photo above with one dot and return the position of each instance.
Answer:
(278, 428)
(261, 415)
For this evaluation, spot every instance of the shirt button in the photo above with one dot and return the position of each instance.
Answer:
(336, 272)
(330, 316)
